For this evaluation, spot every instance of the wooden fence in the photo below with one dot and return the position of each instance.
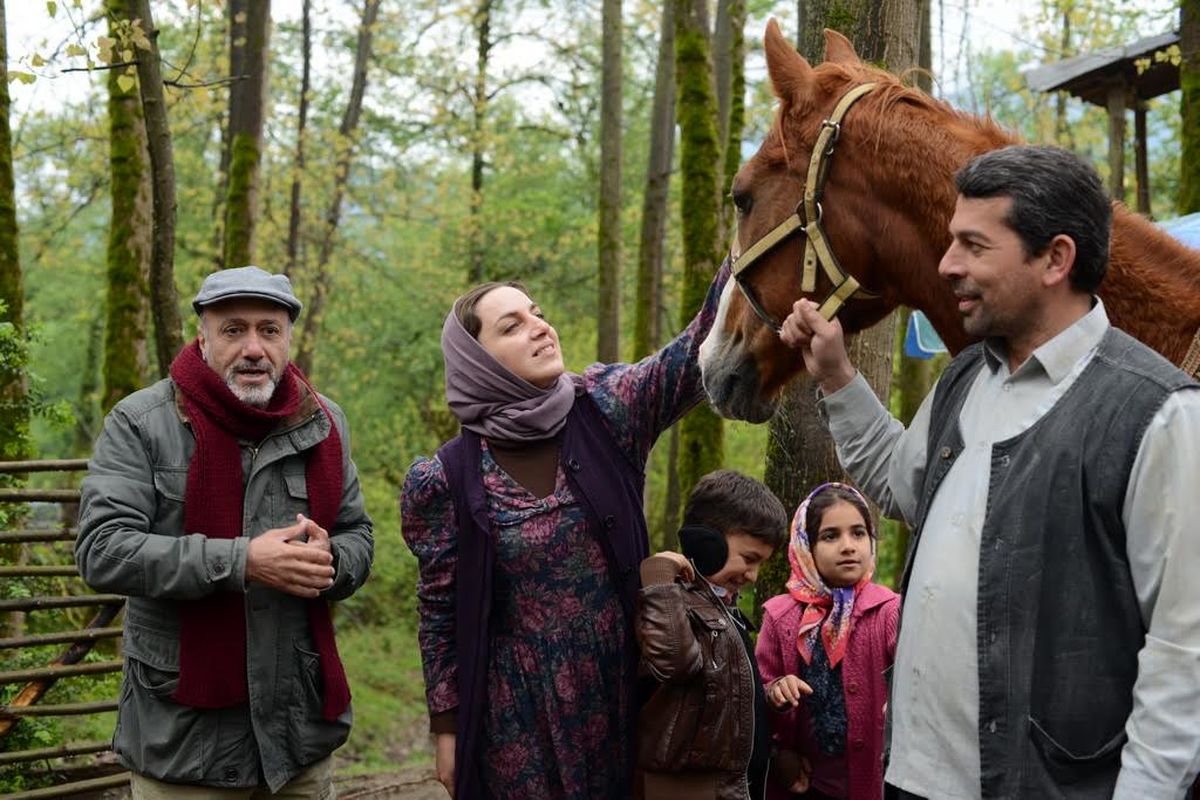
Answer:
(57, 762)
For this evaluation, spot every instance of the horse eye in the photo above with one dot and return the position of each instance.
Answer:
(742, 200)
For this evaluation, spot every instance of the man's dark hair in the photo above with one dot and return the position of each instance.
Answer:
(1053, 191)
(464, 306)
(727, 501)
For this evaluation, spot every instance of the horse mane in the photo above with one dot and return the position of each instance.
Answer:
(832, 80)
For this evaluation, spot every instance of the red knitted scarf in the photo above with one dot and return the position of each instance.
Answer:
(212, 637)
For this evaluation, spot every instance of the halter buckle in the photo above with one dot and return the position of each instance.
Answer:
(836, 127)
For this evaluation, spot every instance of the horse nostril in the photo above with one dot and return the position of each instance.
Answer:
(729, 386)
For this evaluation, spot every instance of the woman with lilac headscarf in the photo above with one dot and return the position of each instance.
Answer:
(528, 529)
(822, 653)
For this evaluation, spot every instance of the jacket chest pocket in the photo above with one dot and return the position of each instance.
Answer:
(293, 499)
(711, 632)
(170, 489)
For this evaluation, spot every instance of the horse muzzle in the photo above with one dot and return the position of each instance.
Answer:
(732, 385)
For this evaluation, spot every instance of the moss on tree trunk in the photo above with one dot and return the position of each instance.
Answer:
(127, 298)
(244, 158)
(700, 437)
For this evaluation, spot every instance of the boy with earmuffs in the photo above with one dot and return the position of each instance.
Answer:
(704, 731)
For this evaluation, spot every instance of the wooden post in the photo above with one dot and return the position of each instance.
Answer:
(1116, 141)
(1141, 166)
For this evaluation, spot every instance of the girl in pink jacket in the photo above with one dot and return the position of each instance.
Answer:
(823, 650)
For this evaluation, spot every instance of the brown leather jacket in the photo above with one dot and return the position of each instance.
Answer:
(699, 723)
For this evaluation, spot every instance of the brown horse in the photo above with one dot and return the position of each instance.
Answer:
(886, 205)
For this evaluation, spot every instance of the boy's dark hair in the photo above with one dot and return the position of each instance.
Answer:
(726, 501)
(464, 306)
(831, 495)
(1053, 191)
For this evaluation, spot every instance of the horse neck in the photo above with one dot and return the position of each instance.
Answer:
(1152, 288)
(924, 160)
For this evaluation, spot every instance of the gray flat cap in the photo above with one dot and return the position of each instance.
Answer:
(227, 284)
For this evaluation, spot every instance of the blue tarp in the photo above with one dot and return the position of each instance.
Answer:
(921, 340)
(1186, 229)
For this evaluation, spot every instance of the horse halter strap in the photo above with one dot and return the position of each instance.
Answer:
(807, 220)
(1191, 361)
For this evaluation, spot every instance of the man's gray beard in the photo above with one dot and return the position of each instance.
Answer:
(257, 396)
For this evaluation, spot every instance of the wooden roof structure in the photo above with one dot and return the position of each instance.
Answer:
(1109, 78)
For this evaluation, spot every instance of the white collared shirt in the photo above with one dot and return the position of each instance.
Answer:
(935, 684)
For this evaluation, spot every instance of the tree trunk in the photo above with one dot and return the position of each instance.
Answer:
(673, 502)
(800, 452)
(248, 38)
(87, 420)
(220, 195)
(293, 241)
(1189, 105)
(1063, 132)
(345, 152)
(483, 50)
(127, 292)
(608, 306)
(14, 408)
(925, 55)
(733, 115)
(912, 378)
(700, 437)
(164, 301)
(722, 52)
(647, 330)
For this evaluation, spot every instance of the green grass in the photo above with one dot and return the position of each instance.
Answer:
(390, 721)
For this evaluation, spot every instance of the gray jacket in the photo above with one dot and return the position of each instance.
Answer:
(131, 541)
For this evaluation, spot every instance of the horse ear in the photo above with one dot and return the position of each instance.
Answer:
(838, 50)
(790, 72)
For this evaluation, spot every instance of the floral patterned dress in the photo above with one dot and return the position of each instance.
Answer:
(557, 724)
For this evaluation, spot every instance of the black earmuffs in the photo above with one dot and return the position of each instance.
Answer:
(705, 547)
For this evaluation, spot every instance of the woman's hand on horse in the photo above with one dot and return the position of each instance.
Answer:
(821, 344)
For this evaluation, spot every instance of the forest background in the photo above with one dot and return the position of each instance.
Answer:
(389, 154)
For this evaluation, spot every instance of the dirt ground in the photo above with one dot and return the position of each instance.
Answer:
(402, 785)
(407, 785)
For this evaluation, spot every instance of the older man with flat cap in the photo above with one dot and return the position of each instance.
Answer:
(224, 503)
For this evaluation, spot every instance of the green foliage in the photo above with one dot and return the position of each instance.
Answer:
(16, 411)
(16, 406)
(390, 721)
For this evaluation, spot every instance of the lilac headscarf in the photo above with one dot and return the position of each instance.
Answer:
(490, 400)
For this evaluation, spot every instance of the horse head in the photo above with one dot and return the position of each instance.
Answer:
(887, 197)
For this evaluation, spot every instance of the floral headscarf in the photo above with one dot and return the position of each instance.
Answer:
(828, 613)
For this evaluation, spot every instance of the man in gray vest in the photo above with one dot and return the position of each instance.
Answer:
(1050, 635)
